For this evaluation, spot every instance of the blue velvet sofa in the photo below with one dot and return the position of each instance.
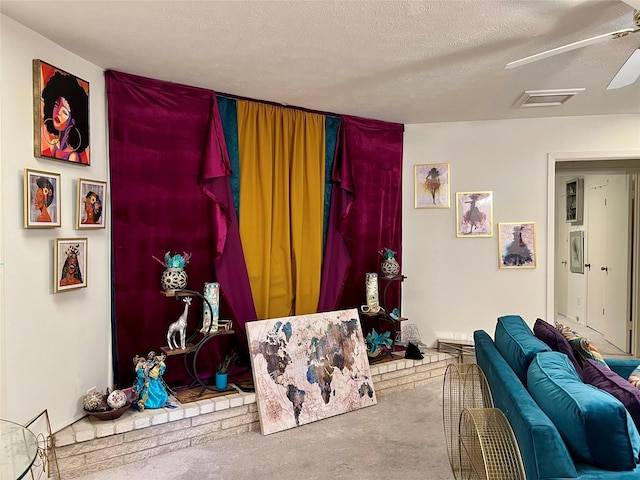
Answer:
(546, 453)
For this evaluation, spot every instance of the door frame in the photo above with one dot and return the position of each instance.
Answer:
(582, 159)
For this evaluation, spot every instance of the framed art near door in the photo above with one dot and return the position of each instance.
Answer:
(60, 115)
(576, 251)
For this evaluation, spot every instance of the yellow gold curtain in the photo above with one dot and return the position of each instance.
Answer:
(282, 156)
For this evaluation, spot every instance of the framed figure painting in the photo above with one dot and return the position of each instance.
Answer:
(60, 115)
(576, 251)
(517, 245)
(474, 214)
(69, 264)
(91, 203)
(41, 199)
(431, 185)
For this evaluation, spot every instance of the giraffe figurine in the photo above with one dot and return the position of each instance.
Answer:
(179, 326)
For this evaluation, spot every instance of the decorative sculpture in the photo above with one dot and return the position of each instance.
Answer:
(179, 326)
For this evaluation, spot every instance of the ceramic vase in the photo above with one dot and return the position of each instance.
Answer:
(173, 279)
(221, 381)
(210, 317)
(390, 267)
(372, 292)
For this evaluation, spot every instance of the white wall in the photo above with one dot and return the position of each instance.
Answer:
(454, 285)
(53, 347)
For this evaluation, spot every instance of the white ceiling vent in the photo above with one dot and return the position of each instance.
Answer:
(546, 98)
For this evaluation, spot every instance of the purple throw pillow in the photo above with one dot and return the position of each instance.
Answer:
(594, 373)
(556, 341)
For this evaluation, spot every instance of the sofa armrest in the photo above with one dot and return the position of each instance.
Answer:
(622, 366)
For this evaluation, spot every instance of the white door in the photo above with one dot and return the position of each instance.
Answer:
(562, 257)
(607, 247)
(616, 308)
(595, 248)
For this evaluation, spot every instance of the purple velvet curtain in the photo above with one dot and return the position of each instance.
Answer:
(169, 192)
(366, 211)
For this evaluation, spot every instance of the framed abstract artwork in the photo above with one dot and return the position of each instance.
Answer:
(517, 245)
(474, 214)
(41, 199)
(91, 204)
(576, 251)
(60, 115)
(431, 185)
(69, 264)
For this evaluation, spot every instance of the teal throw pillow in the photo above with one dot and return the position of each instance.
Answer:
(517, 344)
(596, 427)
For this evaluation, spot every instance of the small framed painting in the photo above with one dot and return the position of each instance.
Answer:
(70, 264)
(60, 115)
(91, 204)
(41, 199)
(517, 245)
(431, 185)
(576, 251)
(474, 214)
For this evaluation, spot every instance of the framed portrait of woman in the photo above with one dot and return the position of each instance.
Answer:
(60, 115)
(41, 199)
(91, 204)
(474, 214)
(69, 264)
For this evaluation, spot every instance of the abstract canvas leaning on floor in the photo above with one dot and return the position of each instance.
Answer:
(308, 367)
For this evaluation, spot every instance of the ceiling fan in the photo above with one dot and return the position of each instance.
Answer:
(630, 70)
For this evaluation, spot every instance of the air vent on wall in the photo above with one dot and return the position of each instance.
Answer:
(546, 98)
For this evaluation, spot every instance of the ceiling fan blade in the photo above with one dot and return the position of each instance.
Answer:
(628, 73)
(635, 4)
(571, 46)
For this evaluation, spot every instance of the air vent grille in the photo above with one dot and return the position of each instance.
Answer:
(546, 98)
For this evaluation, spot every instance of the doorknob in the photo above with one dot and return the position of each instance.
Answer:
(564, 262)
(604, 269)
(588, 265)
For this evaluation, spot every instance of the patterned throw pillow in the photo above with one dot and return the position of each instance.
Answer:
(582, 347)
(634, 378)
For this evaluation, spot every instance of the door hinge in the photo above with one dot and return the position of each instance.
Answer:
(603, 312)
(605, 202)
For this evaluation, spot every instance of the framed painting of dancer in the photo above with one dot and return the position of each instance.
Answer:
(91, 204)
(41, 199)
(431, 185)
(69, 264)
(474, 214)
(517, 245)
(60, 115)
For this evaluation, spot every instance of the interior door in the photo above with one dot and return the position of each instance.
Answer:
(562, 258)
(595, 243)
(617, 273)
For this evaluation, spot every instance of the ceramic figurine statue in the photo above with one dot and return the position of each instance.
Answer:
(179, 326)
(389, 266)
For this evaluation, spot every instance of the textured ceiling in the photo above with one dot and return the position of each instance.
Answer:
(417, 61)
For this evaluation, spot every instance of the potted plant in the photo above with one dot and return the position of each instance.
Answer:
(223, 369)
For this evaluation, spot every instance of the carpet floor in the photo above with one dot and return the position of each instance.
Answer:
(400, 437)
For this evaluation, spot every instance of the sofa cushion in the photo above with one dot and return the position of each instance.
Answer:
(609, 381)
(595, 426)
(556, 341)
(517, 344)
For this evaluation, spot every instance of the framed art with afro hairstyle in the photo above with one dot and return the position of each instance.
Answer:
(60, 115)
(91, 204)
(69, 264)
(41, 199)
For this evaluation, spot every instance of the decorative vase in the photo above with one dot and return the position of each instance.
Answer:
(390, 267)
(173, 279)
(372, 292)
(221, 381)
(210, 316)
